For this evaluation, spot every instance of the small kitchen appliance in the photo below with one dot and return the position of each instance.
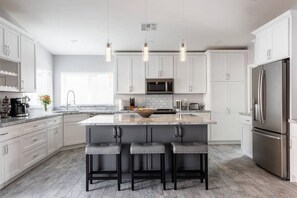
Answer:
(159, 86)
(19, 107)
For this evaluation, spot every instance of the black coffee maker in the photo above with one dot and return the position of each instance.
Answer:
(19, 107)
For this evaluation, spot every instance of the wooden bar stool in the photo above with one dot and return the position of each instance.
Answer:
(190, 148)
(145, 149)
(103, 149)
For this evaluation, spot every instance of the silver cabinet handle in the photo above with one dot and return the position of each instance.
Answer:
(6, 149)
(114, 132)
(118, 132)
(191, 88)
(176, 131)
(4, 50)
(180, 131)
(4, 134)
(8, 50)
(35, 139)
(34, 156)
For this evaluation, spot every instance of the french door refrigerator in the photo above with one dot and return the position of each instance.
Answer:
(270, 95)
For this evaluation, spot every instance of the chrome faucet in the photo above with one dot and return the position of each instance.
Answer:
(70, 91)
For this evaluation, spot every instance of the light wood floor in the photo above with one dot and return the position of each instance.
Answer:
(231, 175)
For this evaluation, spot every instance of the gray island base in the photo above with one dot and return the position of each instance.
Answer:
(128, 128)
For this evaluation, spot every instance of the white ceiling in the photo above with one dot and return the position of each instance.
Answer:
(208, 23)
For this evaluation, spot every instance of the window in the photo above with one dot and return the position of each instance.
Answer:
(89, 88)
(44, 85)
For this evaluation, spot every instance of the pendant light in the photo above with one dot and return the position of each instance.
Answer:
(108, 50)
(182, 47)
(145, 49)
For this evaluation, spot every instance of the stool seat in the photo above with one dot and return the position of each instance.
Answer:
(190, 148)
(147, 148)
(103, 149)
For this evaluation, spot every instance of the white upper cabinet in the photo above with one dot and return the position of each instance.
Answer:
(159, 67)
(190, 76)
(2, 153)
(28, 68)
(130, 75)
(9, 44)
(272, 40)
(227, 66)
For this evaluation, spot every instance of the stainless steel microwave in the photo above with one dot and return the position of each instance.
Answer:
(159, 86)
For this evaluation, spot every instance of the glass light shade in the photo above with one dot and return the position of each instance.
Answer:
(182, 52)
(145, 52)
(108, 52)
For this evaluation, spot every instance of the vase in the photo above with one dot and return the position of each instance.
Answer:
(45, 108)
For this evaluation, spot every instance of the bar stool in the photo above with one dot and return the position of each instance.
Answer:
(103, 149)
(190, 148)
(144, 149)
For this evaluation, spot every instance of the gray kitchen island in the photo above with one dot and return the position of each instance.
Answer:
(128, 128)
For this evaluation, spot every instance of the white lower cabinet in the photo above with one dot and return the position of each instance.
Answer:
(12, 150)
(293, 152)
(34, 155)
(246, 136)
(73, 133)
(2, 147)
(54, 138)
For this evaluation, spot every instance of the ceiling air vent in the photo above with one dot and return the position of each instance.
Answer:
(148, 27)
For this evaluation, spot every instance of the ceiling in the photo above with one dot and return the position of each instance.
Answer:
(208, 24)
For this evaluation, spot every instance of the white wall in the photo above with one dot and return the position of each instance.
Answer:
(77, 64)
(44, 59)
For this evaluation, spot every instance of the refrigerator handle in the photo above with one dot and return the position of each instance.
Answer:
(259, 96)
(263, 96)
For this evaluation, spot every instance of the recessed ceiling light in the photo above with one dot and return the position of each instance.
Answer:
(73, 42)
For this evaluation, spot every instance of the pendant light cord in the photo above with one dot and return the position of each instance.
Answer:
(145, 19)
(182, 19)
(107, 19)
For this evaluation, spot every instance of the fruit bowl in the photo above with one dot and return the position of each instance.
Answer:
(145, 112)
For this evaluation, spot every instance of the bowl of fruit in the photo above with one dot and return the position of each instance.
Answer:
(145, 112)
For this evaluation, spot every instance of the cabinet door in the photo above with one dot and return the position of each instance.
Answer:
(236, 97)
(12, 40)
(218, 66)
(234, 127)
(137, 75)
(59, 137)
(219, 101)
(74, 134)
(28, 72)
(152, 67)
(2, 43)
(123, 74)
(263, 45)
(219, 131)
(2, 153)
(51, 140)
(236, 66)
(246, 140)
(166, 67)
(280, 42)
(12, 159)
(293, 164)
(181, 77)
(197, 73)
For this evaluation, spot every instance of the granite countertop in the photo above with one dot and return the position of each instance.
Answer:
(135, 119)
(5, 122)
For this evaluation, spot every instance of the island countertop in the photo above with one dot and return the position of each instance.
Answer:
(135, 119)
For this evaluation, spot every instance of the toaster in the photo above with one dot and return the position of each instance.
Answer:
(196, 106)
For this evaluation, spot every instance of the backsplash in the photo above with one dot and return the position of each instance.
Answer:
(159, 101)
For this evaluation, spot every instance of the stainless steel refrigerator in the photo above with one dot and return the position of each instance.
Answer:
(270, 93)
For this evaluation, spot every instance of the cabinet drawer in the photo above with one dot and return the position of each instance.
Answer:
(202, 115)
(34, 126)
(32, 156)
(54, 121)
(247, 120)
(75, 118)
(34, 139)
(10, 132)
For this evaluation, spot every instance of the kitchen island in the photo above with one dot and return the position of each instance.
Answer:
(128, 128)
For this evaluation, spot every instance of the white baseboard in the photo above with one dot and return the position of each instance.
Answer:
(223, 142)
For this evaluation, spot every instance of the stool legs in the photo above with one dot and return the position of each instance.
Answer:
(174, 171)
(87, 172)
(119, 171)
(201, 167)
(132, 172)
(163, 171)
(206, 171)
(91, 167)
